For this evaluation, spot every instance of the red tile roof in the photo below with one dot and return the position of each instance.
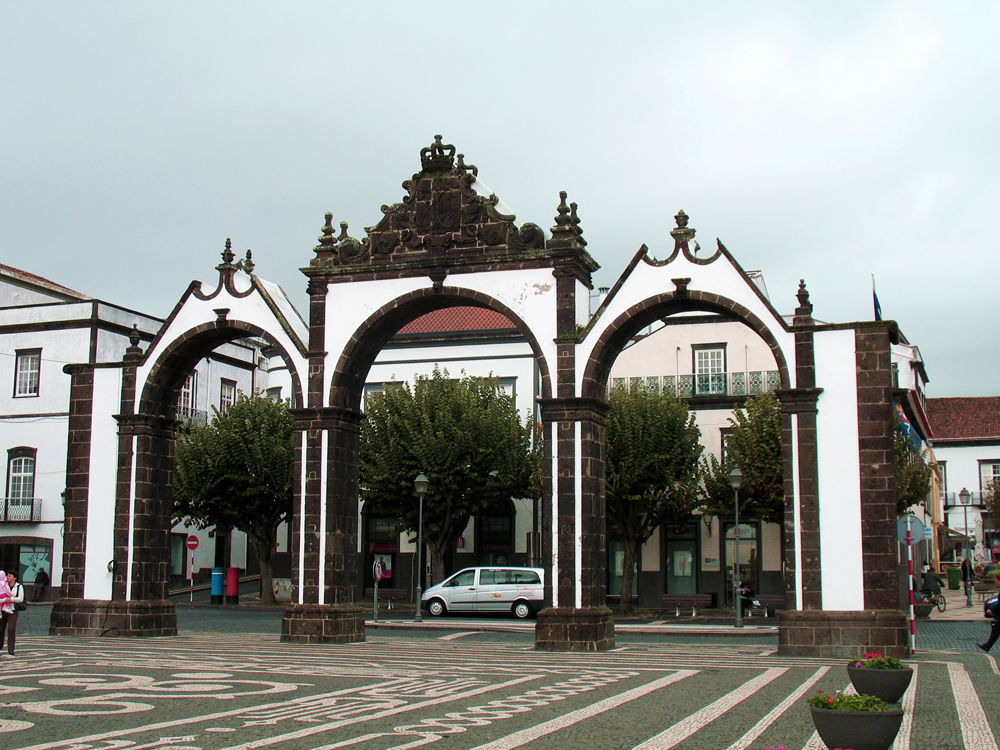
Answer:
(40, 281)
(458, 319)
(964, 418)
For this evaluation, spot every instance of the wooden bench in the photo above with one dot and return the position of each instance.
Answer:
(983, 589)
(705, 601)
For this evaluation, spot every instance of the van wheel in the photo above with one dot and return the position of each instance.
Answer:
(521, 610)
(436, 607)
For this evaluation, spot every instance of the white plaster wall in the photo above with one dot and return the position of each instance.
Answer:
(839, 471)
(103, 476)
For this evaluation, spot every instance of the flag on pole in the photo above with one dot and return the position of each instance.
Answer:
(878, 307)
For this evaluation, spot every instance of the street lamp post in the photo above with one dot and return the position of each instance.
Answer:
(420, 484)
(736, 481)
(965, 497)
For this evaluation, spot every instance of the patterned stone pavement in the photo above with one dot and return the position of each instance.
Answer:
(456, 688)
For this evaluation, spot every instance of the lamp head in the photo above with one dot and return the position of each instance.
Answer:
(964, 496)
(421, 483)
(736, 478)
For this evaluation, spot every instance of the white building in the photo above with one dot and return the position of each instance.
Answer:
(45, 326)
(967, 446)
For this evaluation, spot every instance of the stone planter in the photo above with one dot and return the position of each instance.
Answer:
(887, 684)
(922, 610)
(858, 730)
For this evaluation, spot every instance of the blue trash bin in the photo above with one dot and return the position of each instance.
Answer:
(218, 578)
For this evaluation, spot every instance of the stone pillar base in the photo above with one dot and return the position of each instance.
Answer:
(842, 634)
(323, 623)
(570, 629)
(135, 619)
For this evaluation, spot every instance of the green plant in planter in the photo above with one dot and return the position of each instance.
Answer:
(847, 702)
(876, 661)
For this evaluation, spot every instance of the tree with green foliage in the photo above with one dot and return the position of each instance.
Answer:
(652, 447)
(755, 446)
(465, 436)
(913, 473)
(237, 472)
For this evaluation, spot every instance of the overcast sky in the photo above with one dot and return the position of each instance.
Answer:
(826, 141)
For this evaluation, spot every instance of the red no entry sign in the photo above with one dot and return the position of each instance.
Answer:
(192, 542)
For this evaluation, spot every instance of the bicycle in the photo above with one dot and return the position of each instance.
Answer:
(935, 598)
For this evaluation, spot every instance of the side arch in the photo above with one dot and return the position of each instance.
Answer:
(347, 381)
(614, 337)
(162, 384)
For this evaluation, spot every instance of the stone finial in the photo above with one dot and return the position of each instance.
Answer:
(682, 234)
(227, 254)
(438, 157)
(575, 221)
(133, 351)
(246, 264)
(803, 313)
(565, 234)
(327, 241)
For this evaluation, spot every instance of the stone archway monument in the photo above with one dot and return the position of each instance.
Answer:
(448, 242)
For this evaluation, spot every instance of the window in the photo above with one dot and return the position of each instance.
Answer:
(724, 434)
(189, 396)
(20, 484)
(710, 369)
(943, 466)
(274, 393)
(989, 475)
(227, 394)
(27, 368)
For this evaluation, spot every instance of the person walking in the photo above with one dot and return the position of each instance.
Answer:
(991, 608)
(8, 621)
(6, 608)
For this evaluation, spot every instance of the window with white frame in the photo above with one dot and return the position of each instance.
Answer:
(188, 398)
(20, 484)
(27, 369)
(227, 394)
(709, 369)
(989, 475)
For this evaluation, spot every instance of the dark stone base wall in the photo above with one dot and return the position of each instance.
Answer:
(843, 634)
(322, 623)
(570, 629)
(134, 619)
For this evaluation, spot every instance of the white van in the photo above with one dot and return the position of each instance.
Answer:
(500, 589)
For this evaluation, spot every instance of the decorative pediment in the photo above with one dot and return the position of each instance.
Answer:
(444, 216)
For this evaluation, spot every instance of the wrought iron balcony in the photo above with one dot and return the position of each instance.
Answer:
(192, 416)
(951, 499)
(716, 384)
(22, 509)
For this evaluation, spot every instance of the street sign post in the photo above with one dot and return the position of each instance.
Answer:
(192, 544)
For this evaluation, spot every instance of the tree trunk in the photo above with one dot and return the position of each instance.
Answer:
(630, 550)
(435, 556)
(264, 550)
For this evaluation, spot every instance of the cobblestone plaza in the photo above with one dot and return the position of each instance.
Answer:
(220, 684)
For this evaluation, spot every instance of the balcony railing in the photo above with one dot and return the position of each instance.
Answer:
(716, 384)
(22, 509)
(192, 416)
(951, 499)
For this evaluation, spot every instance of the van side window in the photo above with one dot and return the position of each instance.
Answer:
(465, 578)
(490, 576)
(524, 577)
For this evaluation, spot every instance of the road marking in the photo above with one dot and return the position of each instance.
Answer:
(684, 728)
(453, 636)
(751, 737)
(976, 732)
(529, 735)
